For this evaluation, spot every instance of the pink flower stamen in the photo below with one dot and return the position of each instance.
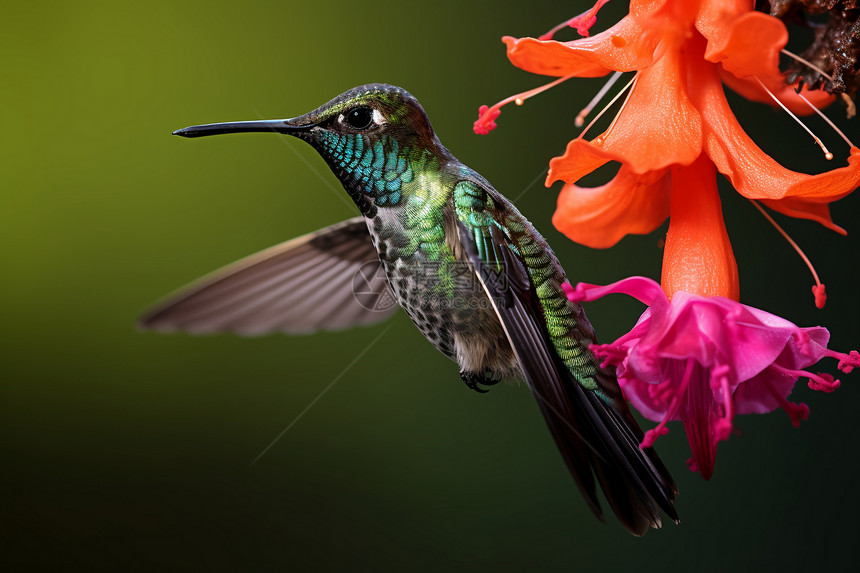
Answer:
(723, 426)
(662, 393)
(609, 354)
(582, 23)
(821, 381)
(847, 362)
(818, 289)
(796, 412)
(661, 429)
(486, 119)
(488, 114)
(820, 295)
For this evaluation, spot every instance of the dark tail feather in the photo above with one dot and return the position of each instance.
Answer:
(634, 480)
(598, 440)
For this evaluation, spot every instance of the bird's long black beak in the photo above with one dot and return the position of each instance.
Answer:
(288, 126)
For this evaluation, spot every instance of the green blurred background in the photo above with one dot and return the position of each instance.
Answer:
(127, 451)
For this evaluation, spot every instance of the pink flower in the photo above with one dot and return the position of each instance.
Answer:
(703, 360)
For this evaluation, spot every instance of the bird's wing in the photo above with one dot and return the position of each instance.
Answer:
(597, 436)
(330, 279)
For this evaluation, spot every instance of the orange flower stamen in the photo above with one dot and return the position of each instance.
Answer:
(486, 115)
(607, 106)
(620, 111)
(818, 289)
(820, 143)
(827, 119)
(580, 118)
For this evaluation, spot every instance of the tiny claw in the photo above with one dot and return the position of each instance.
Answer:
(473, 380)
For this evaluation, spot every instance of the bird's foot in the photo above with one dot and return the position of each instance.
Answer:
(473, 381)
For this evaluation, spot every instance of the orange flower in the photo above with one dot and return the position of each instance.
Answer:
(676, 130)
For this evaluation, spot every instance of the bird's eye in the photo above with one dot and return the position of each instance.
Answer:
(360, 117)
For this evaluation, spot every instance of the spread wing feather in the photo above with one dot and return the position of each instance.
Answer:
(326, 280)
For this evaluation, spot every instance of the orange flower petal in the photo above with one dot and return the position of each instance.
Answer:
(672, 134)
(599, 217)
(753, 173)
(623, 47)
(658, 126)
(819, 212)
(750, 90)
(580, 158)
(747, 44)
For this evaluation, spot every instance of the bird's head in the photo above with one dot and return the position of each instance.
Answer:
(370, 111)
(373, 137)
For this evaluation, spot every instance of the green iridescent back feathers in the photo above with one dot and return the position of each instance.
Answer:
(402, 168)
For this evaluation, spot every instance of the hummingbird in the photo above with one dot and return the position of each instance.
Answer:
(473, 275)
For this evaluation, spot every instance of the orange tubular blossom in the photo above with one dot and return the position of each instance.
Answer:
(677, 118)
